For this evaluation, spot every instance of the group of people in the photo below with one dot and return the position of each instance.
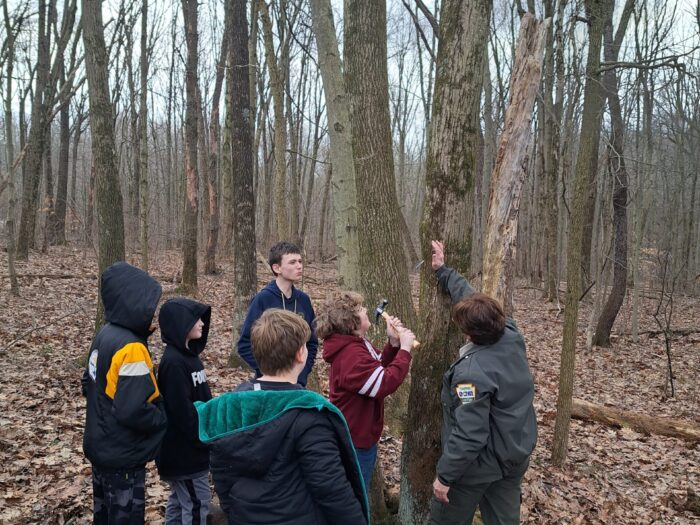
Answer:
(278, 453)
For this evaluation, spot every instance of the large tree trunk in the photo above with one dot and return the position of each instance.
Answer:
(451, 167)
(586, 161)
(143, 138)
(189, 241)
(340, 134)
(383, 271)
(110, 218)
(511, 163)
(244, 266)
(618, 171)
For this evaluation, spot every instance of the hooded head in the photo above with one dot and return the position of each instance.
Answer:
(130, 297)
(176, 319)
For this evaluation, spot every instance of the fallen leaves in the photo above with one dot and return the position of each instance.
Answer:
(613, 476)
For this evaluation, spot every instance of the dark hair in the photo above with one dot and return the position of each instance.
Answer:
(276, 337)
(480, 317)
(279, 250)
(339, 314)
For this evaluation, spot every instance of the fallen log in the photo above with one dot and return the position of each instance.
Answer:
(641, 423)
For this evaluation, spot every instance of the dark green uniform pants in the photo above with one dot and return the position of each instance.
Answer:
(499, 502)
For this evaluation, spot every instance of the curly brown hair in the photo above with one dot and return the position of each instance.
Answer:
(339, 314)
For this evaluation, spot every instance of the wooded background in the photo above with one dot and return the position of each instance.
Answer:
(361, 130)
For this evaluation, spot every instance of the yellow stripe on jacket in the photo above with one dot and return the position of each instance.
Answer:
(132, 359)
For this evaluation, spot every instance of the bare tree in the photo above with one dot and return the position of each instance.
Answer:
(276, 72)
(143, 137)
(618, 171)
(36, 139)
(192, 112)
(213, 157)
(12, 28)
(450, 171)
(244, 266)
(340, 133)
(110, 218)
(509, 173)
(587, 160)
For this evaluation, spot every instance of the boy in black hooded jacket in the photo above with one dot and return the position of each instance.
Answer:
(183, 460)
(281, 454)
(125, 419)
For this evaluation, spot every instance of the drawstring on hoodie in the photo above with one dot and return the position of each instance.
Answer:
(284, 304)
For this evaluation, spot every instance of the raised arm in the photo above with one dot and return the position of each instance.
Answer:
(450, 280)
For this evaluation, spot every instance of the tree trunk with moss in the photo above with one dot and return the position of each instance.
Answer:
(110, 215)
(586, 161)
(451, 169)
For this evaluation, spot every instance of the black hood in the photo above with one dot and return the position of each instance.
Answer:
(176, 319)
(130, 297)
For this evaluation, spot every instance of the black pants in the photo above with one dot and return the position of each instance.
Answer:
(119, 497)
(498, 501)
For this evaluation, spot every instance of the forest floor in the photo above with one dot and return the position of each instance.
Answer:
(612, 476)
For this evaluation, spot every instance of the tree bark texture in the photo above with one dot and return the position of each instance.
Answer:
(382, 264)
(189, 241)
(143, 138)
(383, 271)
(213, 159)
(35, 141)
(586, 161)
(340, 134)
(10, 149)
(596, 12)
(618, 171)
(511, 163)
(244, 265)
(109, 205)
(59, 225)
(554, 80)
(277, 89)
(451, 169)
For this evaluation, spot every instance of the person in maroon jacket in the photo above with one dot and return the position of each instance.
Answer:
(361, 376)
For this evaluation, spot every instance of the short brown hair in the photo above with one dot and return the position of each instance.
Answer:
(279, 250)
(339, 314)
(480, 317)
(276, 337)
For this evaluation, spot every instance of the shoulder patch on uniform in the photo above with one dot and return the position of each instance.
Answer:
(466, 392)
